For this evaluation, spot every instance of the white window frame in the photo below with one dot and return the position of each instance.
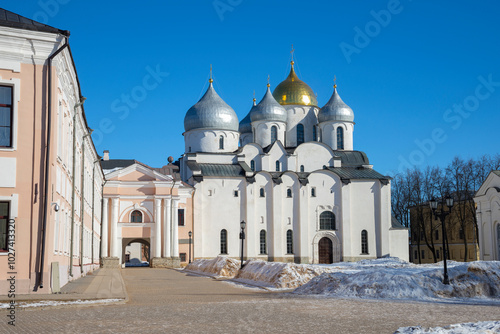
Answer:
(16, 96)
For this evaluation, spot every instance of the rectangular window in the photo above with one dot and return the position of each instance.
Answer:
(437, 253)
(236, 193)
(183, 257)
(6, 116)
(4, 226)
(416, 255)
(180, 214)
(436, 235)
(423, 254)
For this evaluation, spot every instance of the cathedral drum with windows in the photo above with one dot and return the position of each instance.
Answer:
(290, 172)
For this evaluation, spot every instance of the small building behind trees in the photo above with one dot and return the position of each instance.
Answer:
(426, 242)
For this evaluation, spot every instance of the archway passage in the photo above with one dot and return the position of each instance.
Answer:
(325, 250)
(136, 252)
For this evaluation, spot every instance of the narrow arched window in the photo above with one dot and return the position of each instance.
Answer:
(289, 242)
(327, 221)
(274, 134)
(302, 168)
(223, 242)
(221, 142)
(263, 244)
(252, 165)
(340, 138)
(262, 193)
(364, 242)
(136, 216)
(277, 165)
(313, 192)
(315, 135)
(300, 134)
(289, 192)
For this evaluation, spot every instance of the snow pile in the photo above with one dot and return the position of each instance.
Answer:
(407, 281)
(279, 275)
(470, 327)
(221, 266)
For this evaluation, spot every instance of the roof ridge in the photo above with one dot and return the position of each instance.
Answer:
(13, 20)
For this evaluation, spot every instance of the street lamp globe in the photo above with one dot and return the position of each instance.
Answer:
(190, 234)
(242, 224)
(433, 204)
(449, 202)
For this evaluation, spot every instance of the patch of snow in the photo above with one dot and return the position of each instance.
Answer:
(107, 171)
(221, 266)
(60, 302)
(470, 327)
(279, 275)
(480, 279)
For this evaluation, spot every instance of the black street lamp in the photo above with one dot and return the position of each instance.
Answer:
(442, 216)
(190, 235)
(242, 237)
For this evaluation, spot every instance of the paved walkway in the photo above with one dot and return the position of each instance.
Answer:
(104, 283)
(168, 301)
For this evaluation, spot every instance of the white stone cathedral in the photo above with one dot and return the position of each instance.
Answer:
(290, 171)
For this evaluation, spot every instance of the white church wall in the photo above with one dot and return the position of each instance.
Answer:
(263, 132)
(313, 156)
(363, 208)
(277, 153)
(246, 138)
(205, 140)
(252, 152)
(328, 198)
(263, 209)
(398, 239)
(216, 217)
(300, 114)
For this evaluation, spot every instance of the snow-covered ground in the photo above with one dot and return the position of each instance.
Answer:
(484, 327)
(60, 302)
(386, 278)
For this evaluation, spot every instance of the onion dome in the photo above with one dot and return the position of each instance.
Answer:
(246, 124)
(294, 91)
(211, 112)
(335, 110)
(268, 109)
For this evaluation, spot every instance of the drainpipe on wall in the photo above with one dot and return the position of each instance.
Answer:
(47, 156)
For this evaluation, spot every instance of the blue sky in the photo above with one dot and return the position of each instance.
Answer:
(423, 77)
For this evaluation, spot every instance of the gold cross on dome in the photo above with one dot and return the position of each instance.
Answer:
(334, 81)
(210, 80)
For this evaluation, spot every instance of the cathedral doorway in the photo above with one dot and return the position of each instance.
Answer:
(325, 250)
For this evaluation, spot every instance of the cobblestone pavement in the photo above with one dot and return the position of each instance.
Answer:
(168, 301)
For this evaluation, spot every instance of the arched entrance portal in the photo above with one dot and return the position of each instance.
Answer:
(136, 252)
(325, 250)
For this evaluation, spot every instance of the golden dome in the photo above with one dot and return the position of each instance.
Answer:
(294, 91)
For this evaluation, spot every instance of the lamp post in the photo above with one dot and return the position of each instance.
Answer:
(190, 235)
(242, 237)
(442, 217)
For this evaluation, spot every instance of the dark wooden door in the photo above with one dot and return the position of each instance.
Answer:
(325, 250)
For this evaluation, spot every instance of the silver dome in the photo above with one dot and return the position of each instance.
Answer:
(211, 112)
(246, 124)
(268, 109)
(335, 110)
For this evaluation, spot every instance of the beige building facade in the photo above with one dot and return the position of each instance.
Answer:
(147, 215)
(50, 185)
